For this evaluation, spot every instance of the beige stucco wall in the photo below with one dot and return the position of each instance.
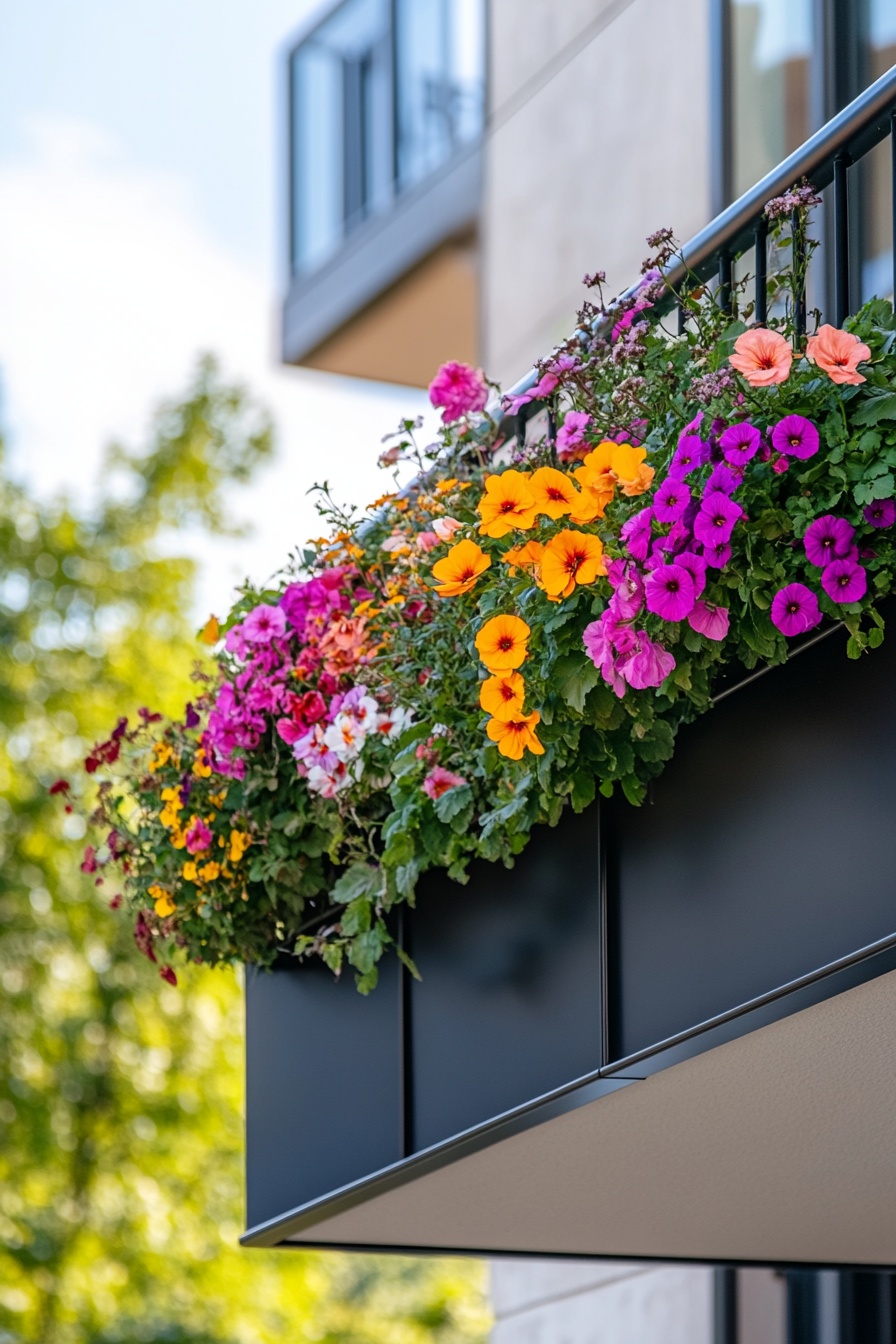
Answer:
(599, 134)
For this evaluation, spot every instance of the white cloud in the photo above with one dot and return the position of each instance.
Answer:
(110, 287)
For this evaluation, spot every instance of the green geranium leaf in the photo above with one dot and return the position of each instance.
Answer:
(358, 881)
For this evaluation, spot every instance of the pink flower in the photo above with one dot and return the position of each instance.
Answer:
(89, 864)
(571, 443)
(263, 624)
(167, 973)
(439, 781)
(837, 353)
(459, 390)
(670, 592)
(762, 356)
(445, 528)
(198, 836)
(648, 664)
(426, 541)
(709, 620)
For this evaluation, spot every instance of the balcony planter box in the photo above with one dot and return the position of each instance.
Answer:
(669, 1031)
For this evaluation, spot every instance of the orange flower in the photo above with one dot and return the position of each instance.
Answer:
(762, 356)
(837, 353)
(502, 643)
(554, 492)
(570, 558)
(503, 697)
(516, 735)
(460, 568)
(606, 466)
(508, 502)
(526, 558)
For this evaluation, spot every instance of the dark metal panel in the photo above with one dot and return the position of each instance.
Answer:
(768, 850)
(510, 1002)
(323, 1098)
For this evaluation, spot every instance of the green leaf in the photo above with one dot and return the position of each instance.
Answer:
(872, 409)
(357, 916)
(575, 675)
(453, 801)
(358, 880)
(875, 638)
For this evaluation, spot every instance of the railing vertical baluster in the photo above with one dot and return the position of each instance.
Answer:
(760, 311)
(725, 281)
(682, 312)
(841, 240)
(798, 259)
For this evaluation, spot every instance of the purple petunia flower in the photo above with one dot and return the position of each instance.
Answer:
(715, 521)
(696, 567)
(880, 513)
(646, 664)
(722, 478)
(709, 620)
(670, 592)
(795, 436)
(691, 452)
(635, 532)
(827, 539)
(844, 581)
(795, 610)
(671, 500)
(263, 624)
(628, 589)
(739, 443)
(717, 557)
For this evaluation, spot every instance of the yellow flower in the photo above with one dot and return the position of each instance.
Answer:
(201, 767)
(189, 871)
(209, 871)
(503, 643)
(508, 502)
(178, 838)
(458, 571)
(443, 487)
(161, 754)
(165, 906)
(503, 697)
(211, 631)
(217, 799)
(168, 815)
(239, 843)
(570, 558)
(516, 736)
(554, 492)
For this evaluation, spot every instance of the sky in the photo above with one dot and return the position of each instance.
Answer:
(141, 151)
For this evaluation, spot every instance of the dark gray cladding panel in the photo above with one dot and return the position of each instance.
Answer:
(510, 1001)
(323, 1087)
(769, 848)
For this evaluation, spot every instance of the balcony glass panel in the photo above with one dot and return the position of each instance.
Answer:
(879, 28)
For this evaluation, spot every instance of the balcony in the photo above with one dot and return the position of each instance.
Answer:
(385, 124)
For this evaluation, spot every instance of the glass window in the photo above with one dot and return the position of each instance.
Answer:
(877, 256)
(771, 49)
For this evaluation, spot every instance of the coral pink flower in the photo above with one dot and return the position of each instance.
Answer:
(458, 389)
(762, 356)
(426, 541)
(837, 353)
(445, 528)
(439, 781)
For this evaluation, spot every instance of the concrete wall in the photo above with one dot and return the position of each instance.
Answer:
(599, 134)
(556, 1302)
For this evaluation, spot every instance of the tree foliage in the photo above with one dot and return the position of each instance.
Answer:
(120, 1097)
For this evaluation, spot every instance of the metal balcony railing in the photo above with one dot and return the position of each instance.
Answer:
(824, 160)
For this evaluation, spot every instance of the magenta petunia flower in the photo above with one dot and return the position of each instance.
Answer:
(844, 581)
(780, 465)
(198, 836)
(717, 557)
(628, 589)
(795, 436)
(263, 624)
(880, 513)
(671, 500)
(795, 610)
(635, 532)
(709, 620)
(459, 390)
(715, 521)
(696, 567)
(571, 443)
(828, 539)
(670, 592)
(646, 664)
(691, 453)
(739, 443)
(723, 479)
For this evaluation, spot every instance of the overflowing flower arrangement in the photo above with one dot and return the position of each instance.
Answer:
(526, 625)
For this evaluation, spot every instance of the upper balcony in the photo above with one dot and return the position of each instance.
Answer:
(386, 105)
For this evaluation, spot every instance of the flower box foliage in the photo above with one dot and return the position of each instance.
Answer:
(519, 629)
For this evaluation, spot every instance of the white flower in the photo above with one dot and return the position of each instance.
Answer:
(391, 724)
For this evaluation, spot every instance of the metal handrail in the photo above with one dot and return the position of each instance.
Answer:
(847, 137)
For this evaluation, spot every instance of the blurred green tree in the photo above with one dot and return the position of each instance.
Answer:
(121, 1097)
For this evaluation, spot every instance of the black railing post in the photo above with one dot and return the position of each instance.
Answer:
(841, 239)
(798, 261)
(724, 1306)
(725, 281)
(760, 310)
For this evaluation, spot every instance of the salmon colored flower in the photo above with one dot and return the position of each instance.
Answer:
(554, 492)
(526, 558)
(445, 528)
(458, 571)
(439, 781)
(837, 353)
(571, 558)
(508, 502)
(503, 644)
(762, 356)
(516, 736)
(503, 697)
